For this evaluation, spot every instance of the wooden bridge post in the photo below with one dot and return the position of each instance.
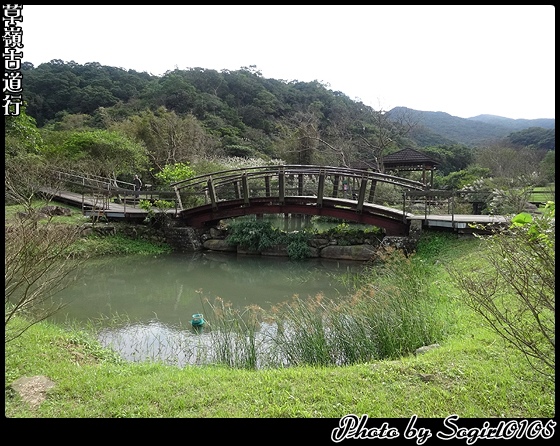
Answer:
(281, 185)
(245, 188)
(300, 184)
(236, 189)
(336, 182)
(267, 186)
(178, 195)
(452, 199)
(371, 196)
(362, 195)
(321, 189)
(212, 193)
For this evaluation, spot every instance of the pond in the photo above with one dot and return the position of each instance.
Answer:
(144, 305)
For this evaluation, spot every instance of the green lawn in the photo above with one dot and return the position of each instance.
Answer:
(543, 193)
(472, 374)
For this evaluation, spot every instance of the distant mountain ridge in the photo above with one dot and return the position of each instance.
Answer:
(515, 124)
(443, 128)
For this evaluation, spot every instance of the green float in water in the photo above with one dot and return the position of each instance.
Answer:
(197, 320)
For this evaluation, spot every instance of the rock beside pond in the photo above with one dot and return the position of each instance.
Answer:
(352, 252)
(218, 245)
(425, 348)
(97, 228)
(319, 243)
(55, 210)
(278, 251)
(405, 244)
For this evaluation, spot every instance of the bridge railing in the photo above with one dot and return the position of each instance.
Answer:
(280, 181)
(103, 189)
(95, 182)
(445, 202)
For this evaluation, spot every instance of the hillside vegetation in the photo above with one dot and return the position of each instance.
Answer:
(476, 131)
(245, 111)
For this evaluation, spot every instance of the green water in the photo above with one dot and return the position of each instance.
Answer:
(155, 297)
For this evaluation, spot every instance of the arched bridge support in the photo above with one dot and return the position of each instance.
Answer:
(202, 216)
(339, 192)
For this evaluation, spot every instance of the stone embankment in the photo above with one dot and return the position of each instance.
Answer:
(186, 239)
(366, 247)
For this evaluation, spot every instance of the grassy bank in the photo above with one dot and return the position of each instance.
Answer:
(92, 245)
(471, 374)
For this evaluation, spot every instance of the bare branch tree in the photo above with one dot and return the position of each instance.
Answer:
(388, 132)
(515, 290)
(38, 262)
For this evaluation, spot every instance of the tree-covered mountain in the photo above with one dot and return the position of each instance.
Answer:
(514, 124)
(114, 122)
(241, 113)
(476, 131)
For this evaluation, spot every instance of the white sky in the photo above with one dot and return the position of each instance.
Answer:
(459, 59)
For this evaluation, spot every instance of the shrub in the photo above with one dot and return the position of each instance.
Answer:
(253, 235)
(514, 287)
(259, 235)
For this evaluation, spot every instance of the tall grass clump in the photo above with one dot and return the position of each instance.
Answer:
(399, 307)
(396, 309)
(234, 335)
(302, 333)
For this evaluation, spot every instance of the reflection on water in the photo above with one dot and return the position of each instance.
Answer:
(171, 288)
(158, 296)
(155, 341)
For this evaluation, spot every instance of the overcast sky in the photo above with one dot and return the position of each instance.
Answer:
(462, 60)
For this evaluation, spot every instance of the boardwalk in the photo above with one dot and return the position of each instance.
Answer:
(460, 223)
(100, 205)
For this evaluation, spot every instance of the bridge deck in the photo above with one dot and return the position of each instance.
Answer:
(343, 193)
(93, 206)
(102, 205)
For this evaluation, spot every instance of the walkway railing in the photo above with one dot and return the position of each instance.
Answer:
(102, 189)
(92, 181)
(445, 201)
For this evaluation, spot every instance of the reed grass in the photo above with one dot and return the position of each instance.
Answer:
(234, 334)
(393, 315)
(394, 310)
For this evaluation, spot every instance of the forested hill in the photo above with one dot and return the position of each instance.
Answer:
(515, 124)
(473, 131)
(245, 113)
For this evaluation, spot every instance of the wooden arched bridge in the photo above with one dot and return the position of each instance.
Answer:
(344, 193)
(349, 194)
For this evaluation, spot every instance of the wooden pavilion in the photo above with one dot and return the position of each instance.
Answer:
(410, 160)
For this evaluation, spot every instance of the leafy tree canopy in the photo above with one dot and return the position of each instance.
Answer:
(188, 115)
(21, 134)
(536, 137)
(105, 152)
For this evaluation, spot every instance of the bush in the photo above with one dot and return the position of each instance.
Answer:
(253, 235)
(259, 235)
(297, 245)
(514, 289)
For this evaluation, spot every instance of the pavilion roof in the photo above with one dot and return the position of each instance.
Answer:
(408, 157)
